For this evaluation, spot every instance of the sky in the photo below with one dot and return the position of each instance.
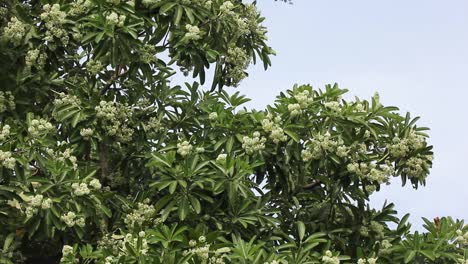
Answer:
(414, 53)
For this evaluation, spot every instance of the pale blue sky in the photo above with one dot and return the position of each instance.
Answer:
(414, 53)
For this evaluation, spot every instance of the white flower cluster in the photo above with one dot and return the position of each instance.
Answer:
(36, 58)
(143, 213)
(359, 107)
(115, 19)
(199, 149)
(221, 158)
(271, 125)
(193, 32)
(323, 143)
(67, 250)
(80, 189)
(253, 144)
(369, 261)
(32, 204)
(148, 54)
(213, 116)
(333, 106)
(141, 246)
(4, 133)
(63, 156)
(304, 98)
(364, 231)
(238, 61)
(379, 173)
(272, 262)
(294, 109)
(54, 19)
(79, 7)
(66, 99)
(252, 14)
(7, 101)
(115, 117)
(184, 148)
(71, 219)
(202, 252)
(328, 258)
(6, 160)
(94, 183)
(226, 7)
(86, 133)
(462, 238)
(377, 228)
(401, 147)
(68, 254)
(15, 31)
(417, 167)
(153, 126)
(94, 66)
(40, 127)
(385, 246)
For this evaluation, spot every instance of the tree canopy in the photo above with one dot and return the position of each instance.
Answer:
(104, 160)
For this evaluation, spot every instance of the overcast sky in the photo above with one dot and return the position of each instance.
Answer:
(414, 53)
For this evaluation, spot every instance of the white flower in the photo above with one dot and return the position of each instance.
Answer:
(294, 109)
(304, 98)
(80, 222)
(80, 189)
(221, 157)
(200, 150)
(39, 127)
(36, 201)
(14, 203)
(95, 184)
(329, 259)
(15, 30)
(202, 239)
(6, 160)
(192, 243)
(67, 250)
(184, 148)
(112, 18)
(46, 204)
(193, 32)
(4, 133)
(253, 144)
(86, 132)
(69, 219)
(213, 116)
(334, 106)
(7, 101)
(226, 7)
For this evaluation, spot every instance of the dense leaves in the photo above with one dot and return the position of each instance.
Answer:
(104, 160)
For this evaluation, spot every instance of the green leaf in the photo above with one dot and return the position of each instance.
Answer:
(410, 256)
(301, 230)
(8, 240)
(165, 8)
(293, 135)
(178, 15)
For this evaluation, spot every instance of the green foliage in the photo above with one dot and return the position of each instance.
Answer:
(103, 160)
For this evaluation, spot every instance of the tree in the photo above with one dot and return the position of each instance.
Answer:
(103, 160)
